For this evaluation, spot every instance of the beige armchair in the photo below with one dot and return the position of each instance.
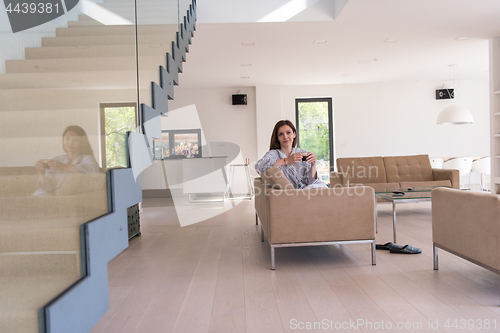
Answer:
(467, 224)
(320, 216)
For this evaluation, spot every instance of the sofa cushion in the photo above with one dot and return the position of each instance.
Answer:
(276, 178)
(362, 170)
(414, 168)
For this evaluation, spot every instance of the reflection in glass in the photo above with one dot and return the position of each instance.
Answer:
(178, 144)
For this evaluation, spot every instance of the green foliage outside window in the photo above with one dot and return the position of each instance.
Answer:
(314, 134)
(313, 129)
(118, 121)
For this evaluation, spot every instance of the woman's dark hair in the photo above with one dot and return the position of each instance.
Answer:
(275, 143)
(85, 148)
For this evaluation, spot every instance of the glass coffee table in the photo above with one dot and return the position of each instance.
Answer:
(414, 195)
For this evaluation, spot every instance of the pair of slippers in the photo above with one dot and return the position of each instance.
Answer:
(395, 248)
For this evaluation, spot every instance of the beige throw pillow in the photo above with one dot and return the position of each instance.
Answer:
(276, 178)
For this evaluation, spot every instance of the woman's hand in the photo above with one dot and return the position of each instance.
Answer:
(40, 165)
(311, 158)
(294, 158)
(57, 166)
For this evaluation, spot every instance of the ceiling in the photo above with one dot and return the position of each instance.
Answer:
(356, 32)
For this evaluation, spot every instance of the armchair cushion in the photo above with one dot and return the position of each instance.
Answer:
(276, 178)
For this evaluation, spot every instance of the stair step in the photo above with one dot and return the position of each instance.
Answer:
(95, 51)
(52, 103)
(40, 263)
(22, 297)
(83, 64)
(117, 30)
(84, 20)
(19, 321)
(125, 79)
(107, 40)
(46, 238)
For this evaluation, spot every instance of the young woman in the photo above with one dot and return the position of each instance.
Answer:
(282, 153)
(79, 157)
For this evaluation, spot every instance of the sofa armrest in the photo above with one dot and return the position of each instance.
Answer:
(339, 179)
(447, 174)
(321, 214)
(467, 223)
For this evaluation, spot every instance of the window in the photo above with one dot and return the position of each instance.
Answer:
(116, 120)
(314, 123)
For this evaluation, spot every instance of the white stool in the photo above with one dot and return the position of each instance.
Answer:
(251, 193)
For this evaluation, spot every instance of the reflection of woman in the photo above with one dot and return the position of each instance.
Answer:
(79, 157)
(282, 153)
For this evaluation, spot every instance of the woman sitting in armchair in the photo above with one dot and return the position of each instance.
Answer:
(298, 165)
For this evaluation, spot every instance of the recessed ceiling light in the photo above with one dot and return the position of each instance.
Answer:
(244, 77)
(363, 61)
(248, 43)
(246, 65)
(461, 38)
(390, 40)
(320, 41)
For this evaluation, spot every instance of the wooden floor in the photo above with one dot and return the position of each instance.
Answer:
(215, 276)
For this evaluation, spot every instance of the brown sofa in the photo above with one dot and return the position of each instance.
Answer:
(321, 216)
(466, 223)
(392, 172)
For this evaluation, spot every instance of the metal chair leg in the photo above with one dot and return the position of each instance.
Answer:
(374, 258)
(435, 256)
(256, 219)
(272, 257)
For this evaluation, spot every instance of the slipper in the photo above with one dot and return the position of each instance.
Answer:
(407, 249)
(386, 246)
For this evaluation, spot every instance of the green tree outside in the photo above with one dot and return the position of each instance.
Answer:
(314, 134)
(118, 121)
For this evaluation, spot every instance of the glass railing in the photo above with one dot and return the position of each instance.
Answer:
(67, 102)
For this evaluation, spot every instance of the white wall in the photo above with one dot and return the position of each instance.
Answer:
(369, 119)
(396, 119)
(221, 121)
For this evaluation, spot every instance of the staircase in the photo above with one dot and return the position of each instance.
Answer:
(43, 241)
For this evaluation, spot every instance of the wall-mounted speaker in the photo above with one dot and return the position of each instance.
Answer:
(240, 99)
(445, 93)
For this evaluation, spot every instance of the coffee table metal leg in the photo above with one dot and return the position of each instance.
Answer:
(394, 221)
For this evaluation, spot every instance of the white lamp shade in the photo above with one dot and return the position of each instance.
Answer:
(455, 115)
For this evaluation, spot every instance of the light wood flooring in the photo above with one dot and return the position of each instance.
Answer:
(215, 276)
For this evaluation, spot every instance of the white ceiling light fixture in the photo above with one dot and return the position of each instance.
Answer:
(455, 114)
(320, 41)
